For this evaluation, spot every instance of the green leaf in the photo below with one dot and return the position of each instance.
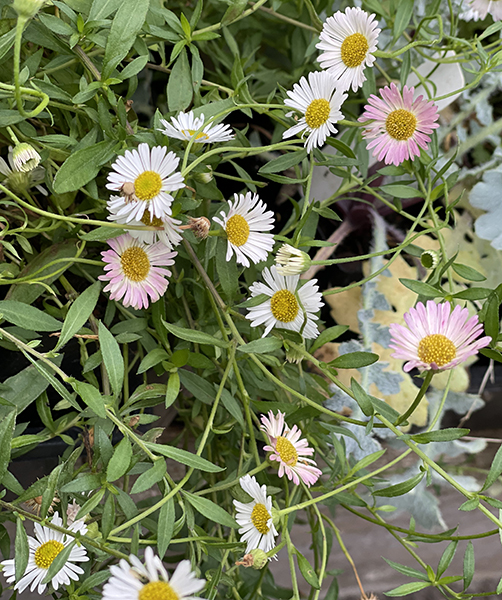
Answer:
(100, 234)
(491, 320)
(362, 398)
(469, 564)
(341, 146)
(328, 335)
(469, 505)
(212, 511)
(154, 357)
(91, 396)
(134, 67)
(441, 435)
(228, 271)
(85, 483)
(165, 528)
(408, 571)
(28, 317)
(408, 588)
(354, 360)
(90, 504)
(184, 457)
(400, 488)
(82, 166)
(197, 386)
(367, 461)
(179, 85)
(403, 16)
(112, 357)
(6, 43)
(192, 335)
(78, 314)
(120, 461)
(59, 562)
(284, 162)
(150, 477)
(473, 293)
(108, 518)
(7, 424)
(446, 558)
(172, 388)
(21, 550)
(233, 407)
(421, 288)
(495, 470)
(261, 346)
(307, 571)
(467, 272)
(401, 191)
(58, 26)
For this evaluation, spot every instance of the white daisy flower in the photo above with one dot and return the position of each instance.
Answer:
(482, 8)
(255, 518)
(25, 157)
(144, 177)
(320, 101)
(169, 235)
(292, 261)
(44, 548)
(348, 40)
(287, 306)
(185, 126)
(150, 581)
(244, 225)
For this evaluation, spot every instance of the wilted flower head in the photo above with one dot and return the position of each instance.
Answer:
(21, 180)
(25, 157)
(200, 226)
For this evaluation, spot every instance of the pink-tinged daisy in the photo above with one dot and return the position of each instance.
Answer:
(186, 125)
(145, 179)
(400, 125)
(348, 40)
(289, 450)
(320, 101)
(255, 518)
(136, 271)
(244, 225)
(288, 307)
(436, 338)
(486, 7)
(150, 581)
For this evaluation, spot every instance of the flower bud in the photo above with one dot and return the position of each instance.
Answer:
(26, 9)
(25, 157)
(429, 259)
(205, 177)
(293, 355)
(291, 261)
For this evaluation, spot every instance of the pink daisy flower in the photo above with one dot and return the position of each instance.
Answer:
(136, 270)
(482, 8)
(289, 450)
(400, 125)
(436, 338)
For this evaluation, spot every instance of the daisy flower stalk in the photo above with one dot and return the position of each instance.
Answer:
(136, 271)
(289, 450)
(185, 127)
(400, 125)
(145, 177)
(255, 518)
(320, 100)
(43, 549)
(244, 225)
(482, 8)
(436, 338)
(348, 40)
(151, 581)
(288, 306)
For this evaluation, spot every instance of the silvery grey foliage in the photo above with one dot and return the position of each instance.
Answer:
(486, 195)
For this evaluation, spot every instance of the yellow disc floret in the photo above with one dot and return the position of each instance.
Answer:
(436, 348)
(286, 451)
(157, 590)
(237, 229)
(260, 517)
(354, 50)
(200, 136)
(135, 263)
(46, 553)
(401, 124)
(147, 185)
(317, 113)
(284, 306)
(150, 221)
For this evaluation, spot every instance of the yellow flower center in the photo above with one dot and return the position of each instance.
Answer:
(354, 50)
(317, 113)
(286, 451)
(260, 516)
(150, 221)
(135, 263)
(284, 306)
(401, 124)
(147, 185)
(237, 229)
(46, 553)
(199, 136)
(157, 590)
(436, 348)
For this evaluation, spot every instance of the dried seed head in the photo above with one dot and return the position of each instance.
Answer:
(199, 225)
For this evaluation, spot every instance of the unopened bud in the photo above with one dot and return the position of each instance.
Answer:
(205, 177)
(199, 225)
(429, 259)
(25, 157)
(291, 261)
(27, 9)
(293, 355)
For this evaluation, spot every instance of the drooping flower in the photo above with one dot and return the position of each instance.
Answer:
(320, 101)
(244, 225)
(186, 125)
(348, 41)
(400, 125)
(255, 518)
(21, 180)
(288, 306)
(291, 260)
(436, 337)
(482, 8)
(25, 157)
(150, 581)
(43, 549)
(145, 178)
(136, 271)
(289, 450)
(169, 235)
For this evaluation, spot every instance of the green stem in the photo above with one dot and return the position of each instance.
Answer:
(418, 399)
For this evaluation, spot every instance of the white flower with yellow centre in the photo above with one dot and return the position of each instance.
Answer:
(44, 548)
(150, 581)
(244, 225)
(145, 177)
(348, 41)
(255, 518)
(288, 306)
(320, 101)
(185, 127)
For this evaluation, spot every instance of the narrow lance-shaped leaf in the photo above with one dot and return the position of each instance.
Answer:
(112, 357)
(78, 314)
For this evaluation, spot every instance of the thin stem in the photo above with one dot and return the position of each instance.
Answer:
(418, 399)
